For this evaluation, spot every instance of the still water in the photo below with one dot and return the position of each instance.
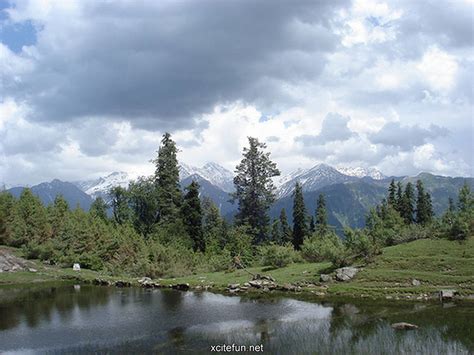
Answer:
(85, 319)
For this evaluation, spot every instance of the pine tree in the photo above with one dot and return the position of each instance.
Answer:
(144, 204)
(408, 208)
(192, 216)
(399, 198)
(213, 225)
(451, 206)
(99, 209)
(254, 189)
(58, 214)
(321, 216)
(392, 194)
(276, 232)
(466, 199)
(120, 205)
(167, 180)
(312, 226)
(286, 233)
(424, 210)
(299, 217)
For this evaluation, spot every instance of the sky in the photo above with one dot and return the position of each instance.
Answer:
(88, 87)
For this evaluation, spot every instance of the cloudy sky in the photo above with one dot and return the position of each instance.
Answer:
(88, 87)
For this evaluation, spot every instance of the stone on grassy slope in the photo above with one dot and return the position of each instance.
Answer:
(346, 273)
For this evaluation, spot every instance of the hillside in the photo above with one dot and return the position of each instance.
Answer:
(48, 191)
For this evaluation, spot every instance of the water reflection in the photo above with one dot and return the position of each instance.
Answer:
(94, 319)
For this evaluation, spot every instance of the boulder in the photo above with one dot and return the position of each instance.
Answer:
(121, 283)
(325, 278)
(447, 294)
(76, 267)
(404, 326)
(144, 280)
(181, 287)
(233, 286)
(101, 282)
(415, 282)
(346, 273)
(255, 283)
(32, 270)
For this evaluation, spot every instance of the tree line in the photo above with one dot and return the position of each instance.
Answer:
(156, 228)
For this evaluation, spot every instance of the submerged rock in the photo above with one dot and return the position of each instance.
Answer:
(404, 326)
(346, 273)
(121, 283)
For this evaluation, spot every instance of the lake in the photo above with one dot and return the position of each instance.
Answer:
(85, 318)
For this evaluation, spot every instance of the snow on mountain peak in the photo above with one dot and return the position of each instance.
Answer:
(362, 172)
(212, 172)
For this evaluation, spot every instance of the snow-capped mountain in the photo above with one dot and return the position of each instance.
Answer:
(313, 179)
(101, 186)
(212, 172)
(362, 172)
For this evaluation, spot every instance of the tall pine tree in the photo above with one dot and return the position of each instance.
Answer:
(254, 189)
(300, 229)
(399, 198)
(424, 210)
(408, 199)
(321, 216)
(392, 194)
(167, 180)
(191, 213)
(286, 233)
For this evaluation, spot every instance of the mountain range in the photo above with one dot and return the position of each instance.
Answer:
(349, 192)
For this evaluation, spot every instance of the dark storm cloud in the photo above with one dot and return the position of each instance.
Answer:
(406, 137)
(160, 63)
(334, 128)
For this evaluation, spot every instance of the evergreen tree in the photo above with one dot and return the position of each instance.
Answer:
(392, 194)
(276, 232)
(286, 233)
(451, 206)
(120, 206)
(424, 210)
(144, 204)
(399, 198)
(321, 216)
(254, 189)
(213, 225)
(99, 209)
(466, 199)
(192, 216)
(312, 226)
(167, 180)
(299, 217)
(58, 214)
(408, 208)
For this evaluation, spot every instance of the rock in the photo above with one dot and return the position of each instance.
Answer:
(255, 283)
(447, 294)
(346, 273)
(121, 283)
(10, 262)
(101, 282)
(144, 280)
(181, 287)
(263, 277)
(265, 289)
(325, 278)
(404, 326)
(32, 270)
(233, 286)
(76, 267)
(415, 282)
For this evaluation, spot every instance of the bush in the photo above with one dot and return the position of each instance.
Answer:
(322, 248)
(277, 255)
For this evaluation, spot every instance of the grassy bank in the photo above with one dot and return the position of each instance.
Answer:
(437, 264)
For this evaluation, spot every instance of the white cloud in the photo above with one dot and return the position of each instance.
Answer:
(439, 69)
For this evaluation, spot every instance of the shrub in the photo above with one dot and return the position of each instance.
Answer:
(322, 248)
(277, 255)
